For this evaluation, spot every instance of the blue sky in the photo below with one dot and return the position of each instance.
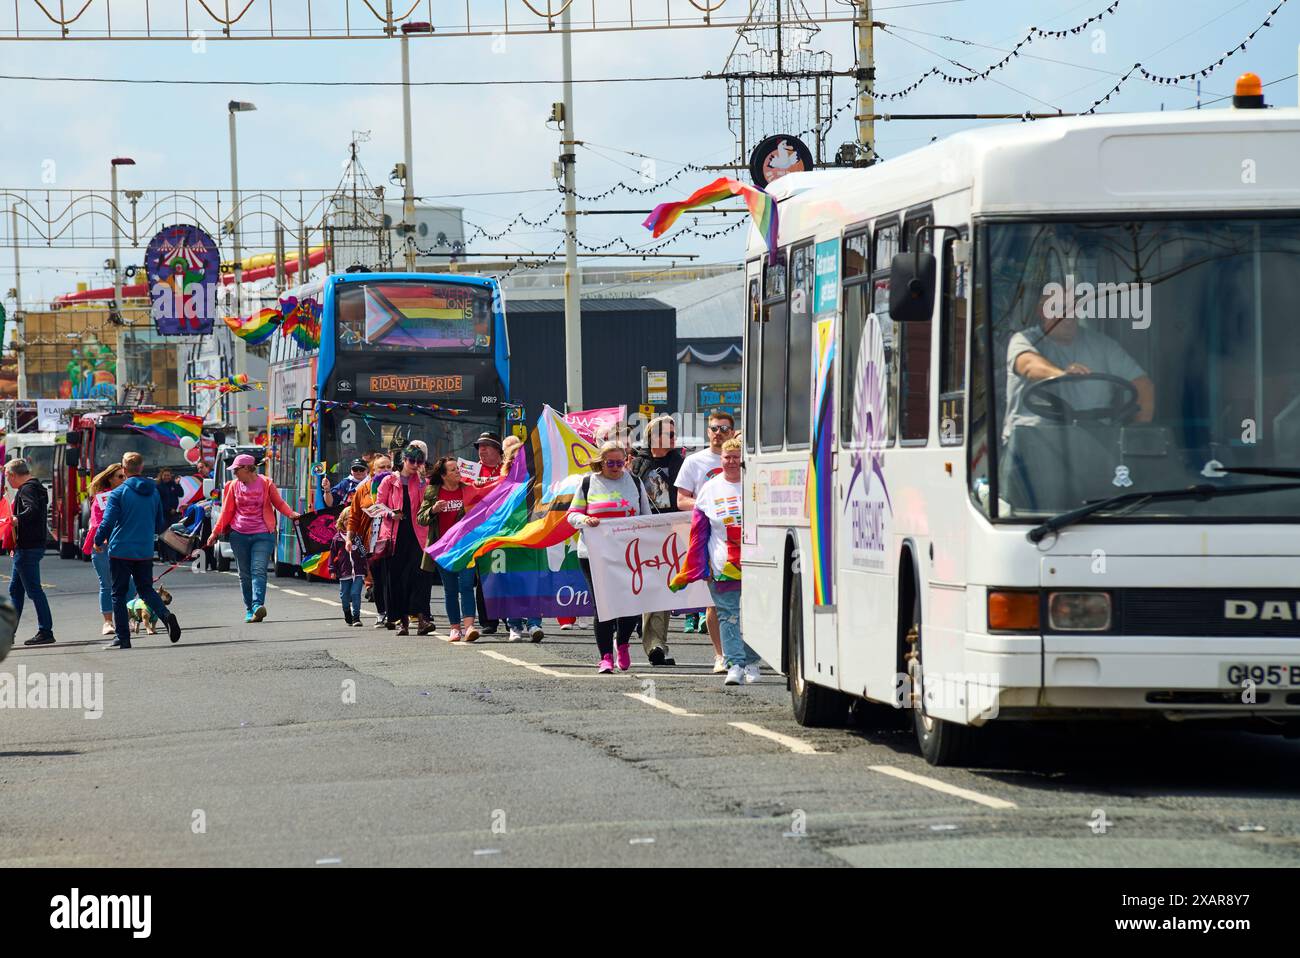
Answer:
(492, 139)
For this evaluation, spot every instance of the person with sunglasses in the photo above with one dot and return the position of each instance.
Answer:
(698, 469)
(609, 493)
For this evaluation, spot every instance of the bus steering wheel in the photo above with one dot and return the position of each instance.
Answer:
(1038, 399)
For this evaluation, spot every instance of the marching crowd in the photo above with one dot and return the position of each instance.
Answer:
(393, 507)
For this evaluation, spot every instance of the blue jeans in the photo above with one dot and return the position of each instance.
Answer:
(734, 649)
(252, 552)
(27, 581)
(105, 572)
(519, 626)
(350, 591)
(124, 571)
(458, 594)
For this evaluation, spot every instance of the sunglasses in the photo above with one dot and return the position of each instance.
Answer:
(719, 429)
(615, 463)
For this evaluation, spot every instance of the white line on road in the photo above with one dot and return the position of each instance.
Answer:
(671, 709)
(541, 669)
(944, 787)
(796, 745)
(293, 592)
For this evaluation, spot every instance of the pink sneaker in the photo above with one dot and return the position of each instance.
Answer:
(624, 657)
(606, 664)
(454, 635)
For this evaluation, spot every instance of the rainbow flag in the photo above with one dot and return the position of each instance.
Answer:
(301, 320)
(257, 328)
(761, 205)
(167, 427)
(420, 316)
(227, 384)
(191, 490)
(528, 508)
(695, 564)
(318, 565)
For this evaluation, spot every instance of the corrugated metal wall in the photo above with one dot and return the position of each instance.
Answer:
(619, 336)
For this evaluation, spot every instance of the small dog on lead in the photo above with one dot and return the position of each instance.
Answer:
(142, 617)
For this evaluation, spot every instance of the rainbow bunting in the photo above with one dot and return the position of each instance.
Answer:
(167, 427)
(257, 328)
(318, 565)
(762, 208)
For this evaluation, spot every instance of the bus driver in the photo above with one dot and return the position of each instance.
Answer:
(1059, 346)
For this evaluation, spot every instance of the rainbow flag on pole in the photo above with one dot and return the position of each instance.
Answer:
(257, 328)
(528, 507)
(761, 205)
(167, 427)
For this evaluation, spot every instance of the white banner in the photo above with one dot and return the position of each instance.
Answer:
(633, 560)
(53, 415)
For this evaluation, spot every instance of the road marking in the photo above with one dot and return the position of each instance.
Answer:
(796, 745)
(540, 669)
(670, 709)
(938, 786)
(317, 598)
(293, 592)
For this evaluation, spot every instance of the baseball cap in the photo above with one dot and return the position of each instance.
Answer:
(243, 459)
(359, 464)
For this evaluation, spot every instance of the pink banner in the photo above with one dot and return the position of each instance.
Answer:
(587, 422)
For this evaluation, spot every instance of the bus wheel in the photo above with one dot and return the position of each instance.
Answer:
(223, 563)
(942, 743)
(814, 706)
(68, 550)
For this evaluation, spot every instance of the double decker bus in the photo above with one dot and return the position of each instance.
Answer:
(401, 356)
(1023, 429)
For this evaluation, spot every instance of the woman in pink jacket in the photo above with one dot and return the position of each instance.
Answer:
(100, 487)
(249, 503)
(402, 540)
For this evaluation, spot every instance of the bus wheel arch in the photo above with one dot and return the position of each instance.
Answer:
(941, 742)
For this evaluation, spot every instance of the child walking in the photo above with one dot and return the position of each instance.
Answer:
(348, 562)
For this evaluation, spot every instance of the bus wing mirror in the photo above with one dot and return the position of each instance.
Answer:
(911, 287)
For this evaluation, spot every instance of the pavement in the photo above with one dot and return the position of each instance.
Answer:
(302, 742)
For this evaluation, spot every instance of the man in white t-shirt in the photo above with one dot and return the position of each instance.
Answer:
(698, 469)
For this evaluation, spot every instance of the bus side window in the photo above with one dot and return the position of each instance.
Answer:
(952, 350)
(798, 375)
(886, 245)
(753, 340)
(857, 304)
(771, 417)
(914, 360)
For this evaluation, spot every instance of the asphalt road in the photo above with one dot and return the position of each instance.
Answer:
(238, 746)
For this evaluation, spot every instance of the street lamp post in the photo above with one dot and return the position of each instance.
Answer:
(116, 309)
(240, 354)
(408, 188)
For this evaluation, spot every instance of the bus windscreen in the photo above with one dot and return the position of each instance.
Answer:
(411, 315)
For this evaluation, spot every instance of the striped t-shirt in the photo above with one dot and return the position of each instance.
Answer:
(607, 499)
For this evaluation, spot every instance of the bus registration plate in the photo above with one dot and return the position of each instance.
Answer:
(1271, 675)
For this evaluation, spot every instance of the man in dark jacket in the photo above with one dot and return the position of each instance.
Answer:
(31, 528)
(133, 518)
(170, 492)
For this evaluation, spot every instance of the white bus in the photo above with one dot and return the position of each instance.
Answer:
(1064, 473)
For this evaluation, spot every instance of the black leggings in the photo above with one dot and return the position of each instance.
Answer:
(605, 629)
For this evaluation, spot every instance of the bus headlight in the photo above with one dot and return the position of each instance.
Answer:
(1078, 611)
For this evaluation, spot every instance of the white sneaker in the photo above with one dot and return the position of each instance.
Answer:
(516, 635)
(752, 673)
(734, 675)
(720, 665)
(537, 634)
(566, 627)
